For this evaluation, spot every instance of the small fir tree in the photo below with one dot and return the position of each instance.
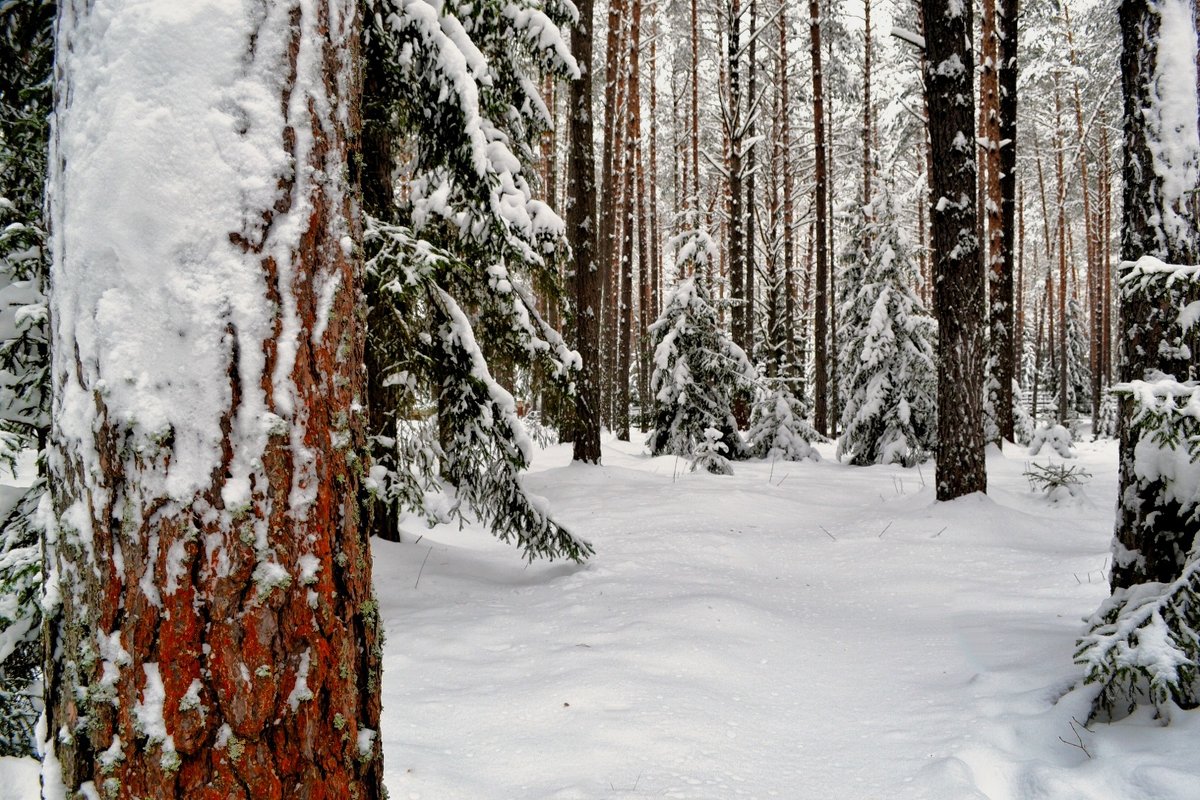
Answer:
(710, 454)
(888, 351)
(698, 369)
(779, 427)
(26, 50)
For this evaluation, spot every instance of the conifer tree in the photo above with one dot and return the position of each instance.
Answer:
(888, 347)
(452, 268)
(779, 427)
(698, 370)
(26, 50)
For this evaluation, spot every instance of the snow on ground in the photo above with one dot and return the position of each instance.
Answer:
(797, 630)
(806, 631)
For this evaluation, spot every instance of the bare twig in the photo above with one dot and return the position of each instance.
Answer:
(939, 533)
(422, 569)
(827, 533)
(1078, 739)
(885, 530)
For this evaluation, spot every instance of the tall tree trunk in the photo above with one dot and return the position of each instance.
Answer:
(1089, 226)
(1063, 343)
(695, 204)
(795, 366)
(216, 635)
(629, 207)
(821, 201)
(737, 187)
(581, 231)
(1152, 541)
(995, 106)
(866, 109)
(957, 267)
(751, 158)
(378, 192)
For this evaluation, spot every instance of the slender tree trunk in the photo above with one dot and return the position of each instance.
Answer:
(957, 267)
(1106, 302)
(1063, 345)
(866, 109)
(751, 156)
(378, 193)
(737, 187)
(629, 207)
(695, 205)
(216, 635)
(795, 367)
(581, 231)
(996, 108)
(821, 202)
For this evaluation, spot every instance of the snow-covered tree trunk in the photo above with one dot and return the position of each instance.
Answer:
(1162, 167)
(957, 268)
(213, 632)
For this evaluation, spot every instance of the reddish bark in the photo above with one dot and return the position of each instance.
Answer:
(228, 647)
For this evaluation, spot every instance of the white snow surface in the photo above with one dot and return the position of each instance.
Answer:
(721, 644)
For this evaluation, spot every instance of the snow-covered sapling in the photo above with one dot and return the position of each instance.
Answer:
(779, 428)
(1056, 437)
(1056, 479)
(710, 454)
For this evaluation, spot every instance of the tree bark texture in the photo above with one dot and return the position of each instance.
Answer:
(216, 635)
(956, 264)
(1152, 539)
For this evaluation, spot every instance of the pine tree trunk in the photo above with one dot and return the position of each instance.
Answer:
(1152, 542)
(581, 230)
(216, 635)
(794, 365)
(383, 399)
(866, 109)
(821, 201)
(695, 32)
(751, 160)
(957, 267)
(737, 190)
(629, 209)
(1063, 415)
(995, 105)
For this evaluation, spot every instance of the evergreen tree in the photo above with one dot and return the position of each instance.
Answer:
(888, 345)
(453, 267)
(698, 370)
(26, 50)
(779, 427)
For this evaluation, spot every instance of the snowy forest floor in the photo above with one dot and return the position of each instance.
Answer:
(798, 630)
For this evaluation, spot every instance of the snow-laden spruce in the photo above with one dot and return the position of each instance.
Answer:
(1054, 437)
(452, 266)
(26, 50)
(888, 347)
(698, 370)
(779, 427)
(465, 461)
